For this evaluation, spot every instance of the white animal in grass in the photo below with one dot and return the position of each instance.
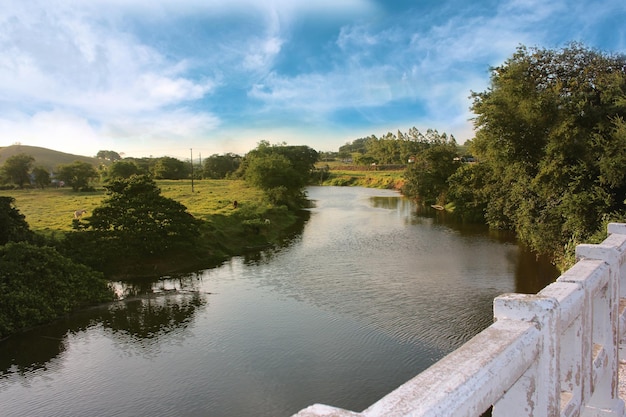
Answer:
(79, 213)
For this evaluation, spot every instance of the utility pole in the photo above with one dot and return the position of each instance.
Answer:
(191, 149)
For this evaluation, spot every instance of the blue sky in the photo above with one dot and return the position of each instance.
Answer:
(161, 77)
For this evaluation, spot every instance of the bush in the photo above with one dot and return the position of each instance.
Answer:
(50, 287)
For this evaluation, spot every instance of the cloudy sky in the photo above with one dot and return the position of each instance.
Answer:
(161, 77)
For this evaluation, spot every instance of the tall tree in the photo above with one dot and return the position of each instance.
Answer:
(77, 175)
(281, 171)
(427, 177)
(550, 129)
(13, 226)
(17, 169)
(168, 168)
(122, 169)
(140, 220)
(108, 155)
(219, 166)
(41, 177)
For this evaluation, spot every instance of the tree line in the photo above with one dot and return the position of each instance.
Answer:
(69, 271)
(550, 149)
(547, 162)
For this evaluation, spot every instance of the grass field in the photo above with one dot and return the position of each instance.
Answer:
(52, 209)
(372, 179)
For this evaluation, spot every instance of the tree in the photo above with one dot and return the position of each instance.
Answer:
(17, 168)
(108, 156)
(13, 226)
(220, 166)
(168, 168)
(281, 171)
(41, 177)
(77, 175)
(140, 221)
(550, 132)
(427, 178)
(122, 169)
(50, 287)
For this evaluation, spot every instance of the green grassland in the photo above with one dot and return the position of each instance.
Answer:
(52, 209)
(371, 178)
(226, 230)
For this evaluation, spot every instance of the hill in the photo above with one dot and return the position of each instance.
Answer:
(44, 157)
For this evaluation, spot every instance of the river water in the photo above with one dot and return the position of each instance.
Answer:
(364, 296)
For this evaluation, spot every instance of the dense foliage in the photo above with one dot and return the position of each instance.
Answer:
(281, 171)
(136, 220)
(122, 169)
(51, 286)
(41, 177)
(551, 142)
(391, 149)
(220, 166)
(170, 168)
(77, 175)
(427, 176)
(16, 169)
(108, 155)
(13, 226)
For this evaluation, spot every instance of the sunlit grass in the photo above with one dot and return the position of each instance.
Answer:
(373, 179)
(52, 209)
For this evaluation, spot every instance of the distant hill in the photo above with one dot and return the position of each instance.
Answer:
(44, 157)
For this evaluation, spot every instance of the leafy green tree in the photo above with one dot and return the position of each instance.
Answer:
(281, 171)
(17, 169)
(77, 175)
(122, 169)
(220, 166)
(168, 168)
(140, 221)
(550, 132)
(467, 190)
(50, 287)
(108, 155)
(427, 178)
(356, 146)
(13, 226)
(41, 177)
(391, 149)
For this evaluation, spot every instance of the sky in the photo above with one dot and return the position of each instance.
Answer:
(202, 77)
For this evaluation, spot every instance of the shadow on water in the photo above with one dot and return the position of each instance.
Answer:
(151, 308)
(533, 272)
(260, 346)
(140, 319)
(290, 235)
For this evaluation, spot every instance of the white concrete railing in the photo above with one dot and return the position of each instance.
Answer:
(554, 353)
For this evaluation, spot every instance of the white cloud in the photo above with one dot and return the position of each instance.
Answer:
(132, 70)
(61, 56)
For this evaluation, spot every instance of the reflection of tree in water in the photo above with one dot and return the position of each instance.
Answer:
(30, 351)
(289, 236)
(152, 316)
(387, 202)
(132, 323)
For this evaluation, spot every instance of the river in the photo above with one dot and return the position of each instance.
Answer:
(364, 296)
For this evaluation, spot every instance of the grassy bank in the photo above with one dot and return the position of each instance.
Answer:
(389, 179)
(226, 230)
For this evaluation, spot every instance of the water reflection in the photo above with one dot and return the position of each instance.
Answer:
(140, 319)
(363, 294)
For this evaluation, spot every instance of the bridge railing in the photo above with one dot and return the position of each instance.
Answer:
(555, 353)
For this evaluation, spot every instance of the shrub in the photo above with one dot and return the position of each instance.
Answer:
(51, 286)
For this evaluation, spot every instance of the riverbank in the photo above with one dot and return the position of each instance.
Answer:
(365, 176)
(227, 229)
